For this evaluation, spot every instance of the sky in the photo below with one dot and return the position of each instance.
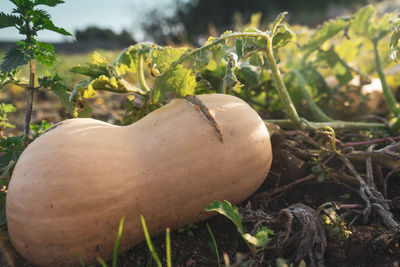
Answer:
(79, 14)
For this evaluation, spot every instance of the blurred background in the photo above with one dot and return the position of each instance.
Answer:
(110, 28)
(97, 24)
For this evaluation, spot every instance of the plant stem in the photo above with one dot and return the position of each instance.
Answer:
(140, 74)
(337, 125)
(387, 92)
(280, 85)
(29, 101)
(316, 111)
(395, 126)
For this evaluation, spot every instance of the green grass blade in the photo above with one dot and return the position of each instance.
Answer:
(168, 247)
(101, 261)
(121, 226)
(149, 243)
(81, 260)
(214, 244)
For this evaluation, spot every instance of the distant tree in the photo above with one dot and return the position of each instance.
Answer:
(94, 33)
(193, 19)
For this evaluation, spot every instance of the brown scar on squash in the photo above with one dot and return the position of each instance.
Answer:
(53, 127)
(203, 109)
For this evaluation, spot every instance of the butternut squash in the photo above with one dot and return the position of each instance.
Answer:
(72, 185)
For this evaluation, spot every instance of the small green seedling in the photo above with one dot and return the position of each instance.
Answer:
(151, 246)
(335, 224)
(255, 242)
(116, 246)
(213, 245)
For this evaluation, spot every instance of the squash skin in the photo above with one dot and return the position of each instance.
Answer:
(72, 185)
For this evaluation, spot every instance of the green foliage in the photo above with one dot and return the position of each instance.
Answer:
(335, 224)
(23, 52)
(128, 59)
(282, 36)
(341, 70)
(29, 21)
(178, 80)
(189, 229)
(328, 30)
(257, 241)
(56, 86)
(365, 23)
(394, 41)
(39, 129)
(231, 212)
(162, 58)
(4, 110)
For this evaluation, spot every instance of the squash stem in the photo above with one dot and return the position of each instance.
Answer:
(140, 74)
(336, 125)
(280, 85)
(387, 92)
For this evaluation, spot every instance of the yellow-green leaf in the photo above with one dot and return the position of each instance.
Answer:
(179, 81)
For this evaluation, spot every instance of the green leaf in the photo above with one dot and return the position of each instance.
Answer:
(231, 212)
(328, 30)
(260, 239)
(251, 75)
(73, 102)
(282, 36)
(6, 108)
(394, 43)
(199, 60)
(316, 81)
(51, 3)
(340, 68)
(239, 47)
(277, 21)
(49, 25)
(10, 150)
(385, 25)
(127, 60)
(251, 43)
(104, 83)
(162, 58)
(55, 85)
(91, 70)
(39, 129)
(7, 20)
(23, 4)
(14, 59)
(64, 96)
(361, 23)
(44, 53)
(179, 81)
(96, 68)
